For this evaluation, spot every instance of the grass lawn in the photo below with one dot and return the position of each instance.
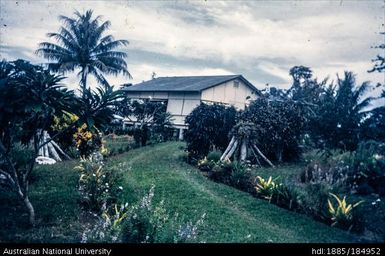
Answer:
(231, 215)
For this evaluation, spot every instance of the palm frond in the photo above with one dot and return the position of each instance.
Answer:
(109, 46)
(100, 30)
(99, 77)
(112, 54)
(81, 44)
(360, 91)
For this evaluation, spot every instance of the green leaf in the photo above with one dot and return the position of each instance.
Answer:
(90, 122)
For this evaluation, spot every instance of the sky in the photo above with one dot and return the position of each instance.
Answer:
(261, 40)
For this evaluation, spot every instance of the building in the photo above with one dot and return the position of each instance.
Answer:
(183, 93)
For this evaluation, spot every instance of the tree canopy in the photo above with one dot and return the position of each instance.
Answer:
(83, 45)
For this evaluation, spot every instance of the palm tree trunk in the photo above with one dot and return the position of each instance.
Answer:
(83, 80)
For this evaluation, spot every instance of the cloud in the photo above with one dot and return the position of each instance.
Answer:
(260, 39)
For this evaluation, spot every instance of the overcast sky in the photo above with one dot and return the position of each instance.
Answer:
(261, 40)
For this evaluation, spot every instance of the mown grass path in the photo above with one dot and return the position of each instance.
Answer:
(231, 215)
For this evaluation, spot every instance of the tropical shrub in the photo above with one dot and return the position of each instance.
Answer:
(241, 177)
(208, 129)
(361, 171)
(152, 121)
(108, 226)
(205, 165)
(234, 173)
(313, 200)
(287, 197)
(97, 184)
(337, 118)
(63, 126)
(342, 214)
(214, 156)
(368, 167)
(266, 189)
(333, 175)
(87, 141)
(277, 127)
(30, 97)
(280, 194)
(147, 222)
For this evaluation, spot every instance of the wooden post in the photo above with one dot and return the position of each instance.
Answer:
(181, 130)
(263, 156)
(243, 150)
(228, 149)
(232, 150)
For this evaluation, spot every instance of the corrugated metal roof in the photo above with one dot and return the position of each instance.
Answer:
(184, 83)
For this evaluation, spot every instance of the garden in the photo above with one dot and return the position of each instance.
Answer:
(306, 164)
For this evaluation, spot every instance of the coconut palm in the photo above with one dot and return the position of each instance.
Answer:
(82, 45)
(340, 113)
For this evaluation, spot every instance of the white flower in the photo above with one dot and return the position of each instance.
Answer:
(378, 200)
(120, 187)
(374, 203)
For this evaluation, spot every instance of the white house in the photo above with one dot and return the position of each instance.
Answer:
(183, 93)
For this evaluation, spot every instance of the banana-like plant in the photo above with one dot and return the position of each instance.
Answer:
(342, 213)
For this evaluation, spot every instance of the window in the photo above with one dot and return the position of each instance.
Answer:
(236, 84)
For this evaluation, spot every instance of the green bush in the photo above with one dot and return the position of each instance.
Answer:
(87, 140)
(343, 214)
(108, 227)
(266, 189)
(368, 167)
(276, 126)
(278, 193)
(241, 177)
(151, 223)
(205, 165)
(208, 128)
(97, 184)
(332, 175)
(287, 197)
(314, 201)
(362, 170)
(214, 156)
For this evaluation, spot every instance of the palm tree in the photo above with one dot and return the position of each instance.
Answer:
(81, 45)
(340, 113)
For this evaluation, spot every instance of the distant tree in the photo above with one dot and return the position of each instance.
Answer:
(82, 45)
(373, 128)
(208, 128)
(148, 116)
(300, 74)
(277, 127)
(340, 112)
(379, 61)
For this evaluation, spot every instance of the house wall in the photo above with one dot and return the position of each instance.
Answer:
(228, 93)
(179, 104)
